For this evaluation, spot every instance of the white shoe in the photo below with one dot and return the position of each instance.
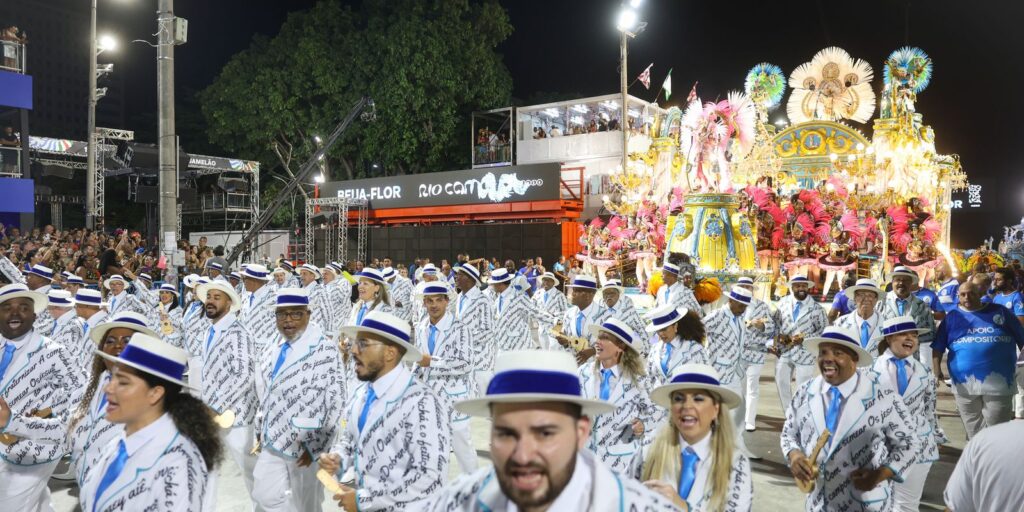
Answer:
(751, 427)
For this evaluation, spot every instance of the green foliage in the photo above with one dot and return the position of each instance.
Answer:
(427, 64)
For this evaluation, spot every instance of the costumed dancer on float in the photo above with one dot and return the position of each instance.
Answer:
(400, 289)
(872, 440)
(693, 460)
(797, 317)
(300, 389)
(447, 364)
(550, 299)
(866, 318)
(617, 375)
(258, 303)
(37, 381)
(391, 472)
(88, 306)
(617, 305)
(227, 358)
(917, 386)
(89, 432)
(547, 467)
(645, 254)
(843, 238)
(760, 327)
(902, 301)
(574, 326)
(169, 447)
(475, 310)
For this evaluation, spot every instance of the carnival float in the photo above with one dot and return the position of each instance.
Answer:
(721, 189)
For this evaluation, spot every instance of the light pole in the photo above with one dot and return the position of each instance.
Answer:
(629, 25)
(166, 138)
(96, 46)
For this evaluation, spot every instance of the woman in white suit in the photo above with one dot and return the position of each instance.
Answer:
(693, 460)
(616, 375)
(169, 445)
(916, 385)
(680, 341)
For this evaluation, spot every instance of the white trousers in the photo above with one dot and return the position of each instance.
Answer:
(1018, 399)
(784, 371)
(924, 354)
(752, 383)
(282, 486)
(462, 445)
(738, 413)
(23, 488)
(238, 441)
(980, 411)
(908, 493)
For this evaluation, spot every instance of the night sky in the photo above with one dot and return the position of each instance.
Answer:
(572, 47)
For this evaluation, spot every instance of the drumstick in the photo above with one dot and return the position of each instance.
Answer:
(329, 482)
(808, 486)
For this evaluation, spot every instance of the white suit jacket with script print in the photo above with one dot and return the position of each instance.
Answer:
(474, 309)
(401, 456)
(41, 375)
(611, 434)
(301, 408)
(450, 373)
(229, 365)
(874, 430)
(811, 320)
(920, 397)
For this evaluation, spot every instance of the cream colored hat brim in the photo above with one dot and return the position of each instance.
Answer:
(481, 407)
(864, 358)
(39, 301)
(412, 352)
(662, 395)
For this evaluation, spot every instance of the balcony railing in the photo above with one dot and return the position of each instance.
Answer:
(12, 56)
(10, 161)
(218, 201)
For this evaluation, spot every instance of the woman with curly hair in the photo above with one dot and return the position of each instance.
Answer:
(170, 441)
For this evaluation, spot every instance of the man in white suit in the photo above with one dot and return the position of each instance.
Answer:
(872, 440)
(758, 318)
(797, 317)
(576, 320)
(865, 319)
(550, 299)
(475, 310)
(903, 301)
(674, 292)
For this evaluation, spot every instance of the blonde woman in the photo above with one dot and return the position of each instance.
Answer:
(616, 375)
(693, 460)
(373, 296)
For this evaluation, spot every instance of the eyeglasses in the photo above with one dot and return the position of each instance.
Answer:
(114, 340)
(291, 315)
(361, 344)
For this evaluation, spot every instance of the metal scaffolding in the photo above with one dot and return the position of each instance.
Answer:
(57, 202)
(335, 211)
(104, 136)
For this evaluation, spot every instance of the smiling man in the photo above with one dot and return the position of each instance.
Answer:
(872, 441)
(540, 427)
(36, 374)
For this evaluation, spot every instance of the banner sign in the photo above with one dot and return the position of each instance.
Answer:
(534, 182)
(221, 164)
(15, 90)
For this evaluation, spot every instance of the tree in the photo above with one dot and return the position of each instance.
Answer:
(427, 64)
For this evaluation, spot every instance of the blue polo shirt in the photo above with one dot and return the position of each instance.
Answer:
(947, 294)
(1012, 301)
(982, 349)
(930, 298)
(841, 303)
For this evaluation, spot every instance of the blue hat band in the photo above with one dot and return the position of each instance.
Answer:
(745, 280)
(435, 290)
(372, 277)
(255, 273)
(129, 320)
(670, 270)
(471, 272)
(584, 283)
(383, 327)
(41, 273)
(292, 300)
(514, 382)
(671, 317)
(151, 361)
(87, 299)
(59, 301)
(695, 378)
(900, 327)
(75, 280)
(799, 280)
(739, 298)
(840, 337)
(16, 290)
(614, 329)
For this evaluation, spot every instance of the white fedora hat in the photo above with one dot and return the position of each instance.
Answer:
(41, 271)
(745, 281)
(190, 280)
(470, 271)
(899, 324)
(867, 285)
(613, 284)
(619, 329)
(531, 376)
(151, 355)
(740, 294)
(313, 269)
(799, 280)
(905, 272)
(59, 299)
(431, 288)
(549, 275)
(585, 282)
(694, 376)
(500, 275)
(390, 327)
(168, 287)
(221, 286)
(15, 291)
(126, 319)
(388, 273)
(372, 274)
(671, 268)
(843, 337)
(256, 271)
(664, 316)
(89, 298)
(73, 279)
(292, 297)
(116, 278)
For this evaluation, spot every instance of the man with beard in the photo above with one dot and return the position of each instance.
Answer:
(550, 299)
(873, 439)
(398, 433)
(474, 309)
(227, 365)
(37, 380)
(300, 390)
(540, 427)
(948, 290)
(902, 301)
(576, 320)
(1007, 295)
(797, 317)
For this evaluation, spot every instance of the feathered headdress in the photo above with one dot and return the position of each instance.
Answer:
(908, 67)
(766, 84)
(832, 86)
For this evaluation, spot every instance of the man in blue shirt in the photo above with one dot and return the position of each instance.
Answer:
(981, 340)
(948, 289)
(932, 300)
(1007, 295)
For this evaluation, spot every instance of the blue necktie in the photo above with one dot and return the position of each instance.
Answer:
(547, 297)
(285, 347)
(865, 334)
(901, 374)
(54, 329)
(6, 361)
(432, 339)
(832, 413)
(209, 339)
(501, 301)
(362, 312)
(113, 470)
(103, 402)
(900, 304)
(371, 397)
(689, 473)
(113, 304)
(462, 300)
(606, 384)
(579, 324)
(251, 297)
(86, 330)
(796, 310)
(665, 358)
